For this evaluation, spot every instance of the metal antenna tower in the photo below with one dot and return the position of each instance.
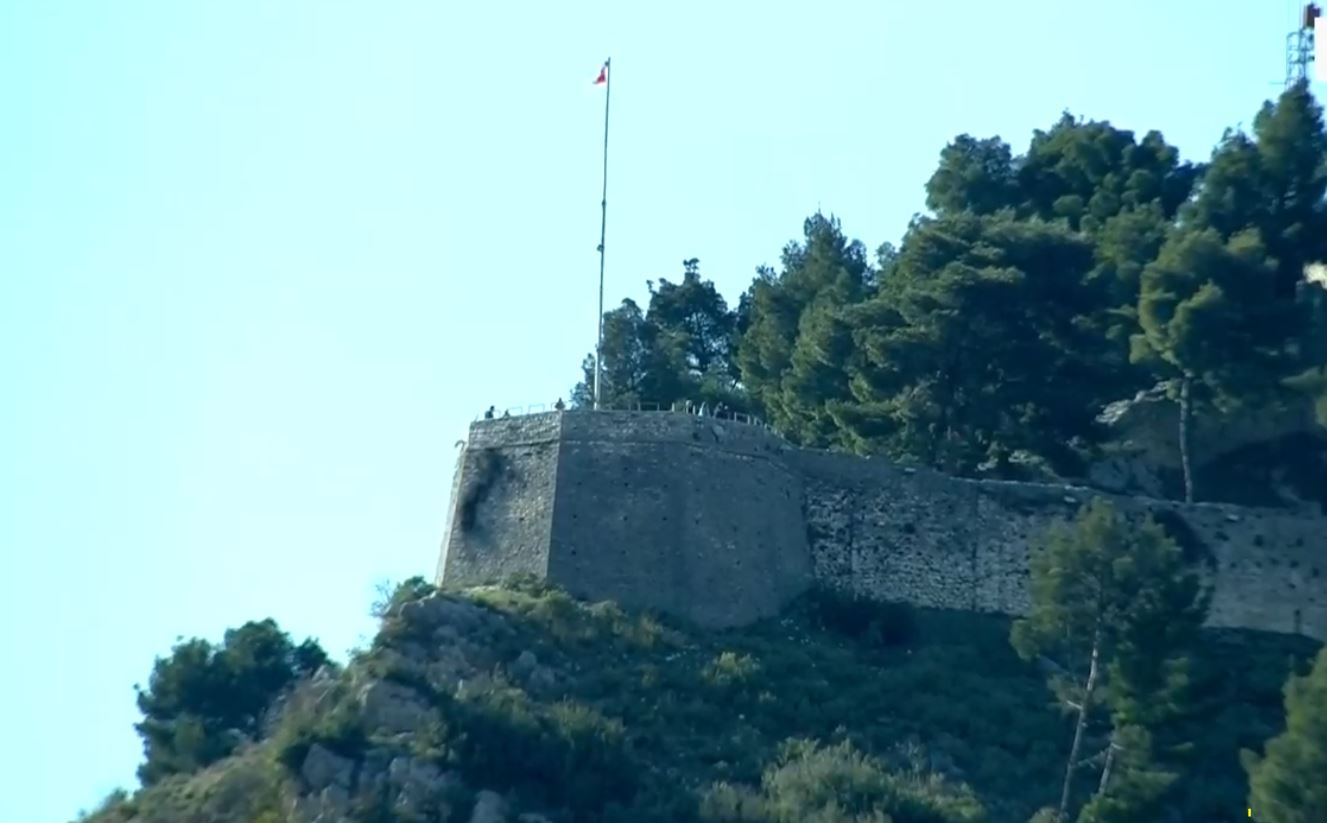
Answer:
(1300, 46)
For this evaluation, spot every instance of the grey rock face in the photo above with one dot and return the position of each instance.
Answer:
(440, 610)
(420, 787)
(1149, 422)
(322, 768)
(532, 675)
(490, 807)
(330, 805)
(415, 789)
(1125, 474)
(390, 708)
(525, 665)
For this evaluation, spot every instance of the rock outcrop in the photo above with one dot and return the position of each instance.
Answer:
(1274, 457)
(1147, 426)
(442, 643)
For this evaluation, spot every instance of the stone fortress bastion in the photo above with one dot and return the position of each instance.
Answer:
(723, 523)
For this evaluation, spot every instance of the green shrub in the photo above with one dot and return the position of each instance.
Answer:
(246, 788)
(812, 783)
(323, 713)
(204, 701)
(392, 598)
(566, 754)
(554, 614)
(731, 669)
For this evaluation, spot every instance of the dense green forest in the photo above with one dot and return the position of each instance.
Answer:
(1038, 289)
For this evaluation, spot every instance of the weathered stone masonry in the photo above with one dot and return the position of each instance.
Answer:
(724, 523)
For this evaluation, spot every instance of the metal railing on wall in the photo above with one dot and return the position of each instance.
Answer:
(680, 407)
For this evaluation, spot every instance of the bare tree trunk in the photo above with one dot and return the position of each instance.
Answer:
(1084, 707)
(1186, 433)
(1105, 770)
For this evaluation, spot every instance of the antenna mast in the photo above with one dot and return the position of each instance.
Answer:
(1300, 46)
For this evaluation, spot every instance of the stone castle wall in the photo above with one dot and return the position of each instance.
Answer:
(724, 523)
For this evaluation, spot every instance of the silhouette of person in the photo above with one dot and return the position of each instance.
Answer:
(560, 406)
(488, 415)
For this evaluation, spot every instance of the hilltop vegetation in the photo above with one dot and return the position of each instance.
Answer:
(1039, 289)
(524, 699)
(518, 702)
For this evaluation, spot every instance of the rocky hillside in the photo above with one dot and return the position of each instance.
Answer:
(523, 704)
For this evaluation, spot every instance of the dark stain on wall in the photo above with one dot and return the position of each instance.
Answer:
(488, 467)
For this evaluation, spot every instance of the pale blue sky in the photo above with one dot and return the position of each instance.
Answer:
(261, 263)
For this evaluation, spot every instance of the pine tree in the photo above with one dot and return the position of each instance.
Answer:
(1288, 784)
(205, 700)
(1114, 608)
(821, 275)
(1273, 182)
(975, 175)
(976, 347)
(1214, 328)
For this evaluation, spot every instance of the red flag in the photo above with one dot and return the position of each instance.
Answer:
(603, 76)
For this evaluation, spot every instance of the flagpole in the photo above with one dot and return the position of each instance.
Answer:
(603, 229)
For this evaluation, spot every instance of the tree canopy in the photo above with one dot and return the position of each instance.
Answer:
(1039, 288)
(1288, 783)
(204, 700)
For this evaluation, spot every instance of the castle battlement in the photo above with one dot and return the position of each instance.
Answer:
(723, 523)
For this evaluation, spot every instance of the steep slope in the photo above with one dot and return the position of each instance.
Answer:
(522, 704)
